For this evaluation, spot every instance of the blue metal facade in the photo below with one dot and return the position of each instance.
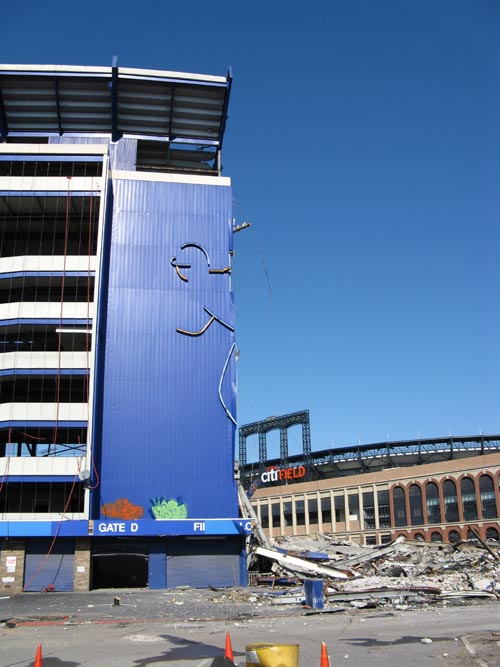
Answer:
(164, 429)
(129, 287)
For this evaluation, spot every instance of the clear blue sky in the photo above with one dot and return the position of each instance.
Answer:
(364, 146)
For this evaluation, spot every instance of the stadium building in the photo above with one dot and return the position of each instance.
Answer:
(117, 352)
(437, 490)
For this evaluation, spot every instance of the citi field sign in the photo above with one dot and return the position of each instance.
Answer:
(274, 474)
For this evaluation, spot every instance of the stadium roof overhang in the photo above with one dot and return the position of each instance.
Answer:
(45, 100)
(360, 459)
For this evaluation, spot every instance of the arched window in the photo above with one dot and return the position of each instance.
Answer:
(454, 536)
(471, 535)
(492, 534)
(416, 514)
(488, 500)
(419, 537)
(398, 496)
(450, 501)
(436, 536)
(433, 503)
(469, 504)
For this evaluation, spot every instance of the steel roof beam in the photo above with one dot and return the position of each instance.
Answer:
(171, 117)
(4, 129)
(400, 453)
(223, 119)
(114, 99)
(51, 101)
(58, 106)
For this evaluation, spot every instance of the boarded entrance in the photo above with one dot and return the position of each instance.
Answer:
(49, 571)
(201, 563)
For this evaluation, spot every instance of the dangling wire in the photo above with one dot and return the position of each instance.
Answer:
(56, 535)
(7, 464)
(59, 338)
(89, 269)
(90, 294)
(259, 252)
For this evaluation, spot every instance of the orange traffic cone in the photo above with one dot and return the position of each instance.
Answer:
(38, 656)
(229, 648)
(325, 660)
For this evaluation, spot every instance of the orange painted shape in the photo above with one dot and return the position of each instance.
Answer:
(122, 509)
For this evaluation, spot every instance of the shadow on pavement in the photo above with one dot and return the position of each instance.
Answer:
(182, 649)
(407, 639)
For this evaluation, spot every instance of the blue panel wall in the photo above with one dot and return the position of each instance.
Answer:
(164, 434)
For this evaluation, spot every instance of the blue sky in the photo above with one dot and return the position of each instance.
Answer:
(363, 143)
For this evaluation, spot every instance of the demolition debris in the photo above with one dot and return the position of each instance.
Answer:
(400, 574)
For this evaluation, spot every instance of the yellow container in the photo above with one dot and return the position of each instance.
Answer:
(272, 655)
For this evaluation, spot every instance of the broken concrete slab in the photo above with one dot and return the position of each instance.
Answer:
(402, 572)
(294, 564)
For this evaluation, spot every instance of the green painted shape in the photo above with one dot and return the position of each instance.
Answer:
(168, 509)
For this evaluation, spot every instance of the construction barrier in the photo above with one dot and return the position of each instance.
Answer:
(229, 649)
(324, 658)
(272, 655)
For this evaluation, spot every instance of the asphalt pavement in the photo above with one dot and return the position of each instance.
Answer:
(188, 628)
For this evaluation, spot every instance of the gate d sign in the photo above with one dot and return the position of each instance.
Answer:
(117, 527)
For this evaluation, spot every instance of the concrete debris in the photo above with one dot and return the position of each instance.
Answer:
(401, 574)
(294, 564)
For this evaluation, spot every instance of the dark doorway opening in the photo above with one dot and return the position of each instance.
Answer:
(119, 570)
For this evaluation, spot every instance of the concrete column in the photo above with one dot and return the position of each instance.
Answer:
(294, 516)
(361, 511)
(332, 510)
(347, 512)
(375, 506)
(82, 564)
(306, 512)
(12, 565)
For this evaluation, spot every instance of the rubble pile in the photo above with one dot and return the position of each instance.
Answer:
(400, 573)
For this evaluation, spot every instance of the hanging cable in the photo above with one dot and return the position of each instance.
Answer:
(7, 463)
(89, 267)
(87, 337)
(59, 338)
(56, 535)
